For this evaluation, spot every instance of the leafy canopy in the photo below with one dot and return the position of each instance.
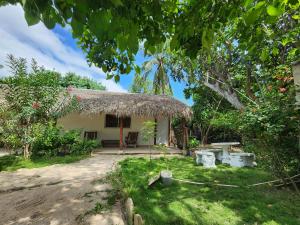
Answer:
(74, 80)
(110, 31)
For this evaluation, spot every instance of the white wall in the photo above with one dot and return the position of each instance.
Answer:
(96, 122)
(162, 131)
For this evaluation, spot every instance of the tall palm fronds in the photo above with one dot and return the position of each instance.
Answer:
(157, 65)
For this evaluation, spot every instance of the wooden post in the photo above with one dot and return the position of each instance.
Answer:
(121, 132)
(155, 131)
(184, 137)
(169, 132)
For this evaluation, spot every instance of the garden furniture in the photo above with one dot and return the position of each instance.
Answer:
(242, 159)
(217, 151)
(131, 139)
(206, 158)
(225, 150)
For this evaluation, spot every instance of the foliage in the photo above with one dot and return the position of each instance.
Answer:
(177, 126)
(206, 108)
(110, 31)
(249, 65)
(31, 98)
(13, 162)
(52, 141)
(157, 65)
(148, 133)
(183, 203)
(273, 128)
(193, 143)
(141, 84)
(74, 80)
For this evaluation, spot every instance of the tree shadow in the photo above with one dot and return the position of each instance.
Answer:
(183, 203)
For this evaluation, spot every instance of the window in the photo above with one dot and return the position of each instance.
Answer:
(111, 121)
(114, 121)
(90, 135)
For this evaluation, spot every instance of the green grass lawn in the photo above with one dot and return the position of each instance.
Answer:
(183, 203)
(12, 162)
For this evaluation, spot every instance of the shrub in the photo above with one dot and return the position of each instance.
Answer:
(52, 141)
(47, 140)
(193, 143)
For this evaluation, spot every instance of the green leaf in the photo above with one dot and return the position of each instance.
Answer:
(247, 3)
(251, 17)
(264, 55)
(30, 19)
(296, 17)
(117, 78)
(99, 22)
(32, 14)
(275, 51)
(273, 11)
(109, 76)
(104, 68)
(117, 2)
(77, 28)
(50, 18)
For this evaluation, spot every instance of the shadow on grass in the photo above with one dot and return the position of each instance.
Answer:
(13, 162)
(188, 204)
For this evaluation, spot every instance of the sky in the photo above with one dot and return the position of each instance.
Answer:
(57, 50)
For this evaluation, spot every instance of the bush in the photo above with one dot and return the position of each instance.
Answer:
(47, 140)
(52, 141)
(193, 143)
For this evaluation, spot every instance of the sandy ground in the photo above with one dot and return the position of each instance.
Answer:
(58, 194)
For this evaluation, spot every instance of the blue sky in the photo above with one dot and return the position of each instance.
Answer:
(56, 49)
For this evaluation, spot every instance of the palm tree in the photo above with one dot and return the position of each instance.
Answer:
(159, 66)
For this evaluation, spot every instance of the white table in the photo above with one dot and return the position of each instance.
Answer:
(225, 150)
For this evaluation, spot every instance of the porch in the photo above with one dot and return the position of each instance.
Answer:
(135, 151)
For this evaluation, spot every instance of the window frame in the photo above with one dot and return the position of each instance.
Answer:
(128, 118)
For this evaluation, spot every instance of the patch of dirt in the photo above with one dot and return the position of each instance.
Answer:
(58, 194)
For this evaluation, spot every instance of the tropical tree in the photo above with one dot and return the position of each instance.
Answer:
(30, 98)
(157, 66)
(74, 80)
(141, 84)
(207, 106)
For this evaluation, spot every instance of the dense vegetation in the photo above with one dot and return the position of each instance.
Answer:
(74, 80)
(188, 204)
(32, 102)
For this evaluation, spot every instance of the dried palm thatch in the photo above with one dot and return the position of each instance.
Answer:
(128, 104)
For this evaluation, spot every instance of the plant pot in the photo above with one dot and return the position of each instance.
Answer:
(166, 177)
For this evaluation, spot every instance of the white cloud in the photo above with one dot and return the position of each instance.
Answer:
(47, 47)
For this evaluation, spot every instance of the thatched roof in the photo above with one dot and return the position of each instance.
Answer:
(127, 104)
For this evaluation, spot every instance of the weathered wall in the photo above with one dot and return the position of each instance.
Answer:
(96, 122)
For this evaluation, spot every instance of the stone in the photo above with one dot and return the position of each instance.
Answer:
(242, 159)
(166, 177)
(206, 158)
(153, 180)
(138, 220)
(129, 207)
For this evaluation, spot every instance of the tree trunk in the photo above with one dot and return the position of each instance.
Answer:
(26, 151)
(230, 97)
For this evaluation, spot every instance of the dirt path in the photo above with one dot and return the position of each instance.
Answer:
(58, 194)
